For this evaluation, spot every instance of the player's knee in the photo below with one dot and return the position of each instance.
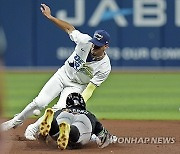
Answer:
(74, 134)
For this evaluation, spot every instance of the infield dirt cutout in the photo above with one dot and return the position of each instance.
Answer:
(134, 137)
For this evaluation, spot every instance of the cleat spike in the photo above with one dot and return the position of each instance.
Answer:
(64, 130)
(45, 125)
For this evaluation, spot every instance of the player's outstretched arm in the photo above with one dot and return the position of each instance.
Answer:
(88, 91)
(46, 11)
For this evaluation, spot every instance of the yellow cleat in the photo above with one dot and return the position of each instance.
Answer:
(45, 125)
(64, 130)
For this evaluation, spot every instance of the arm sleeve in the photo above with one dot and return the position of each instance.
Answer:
(79, 37)
(100, 77)
(88, 91)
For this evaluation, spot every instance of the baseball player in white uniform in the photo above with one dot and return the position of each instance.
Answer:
(83, 71)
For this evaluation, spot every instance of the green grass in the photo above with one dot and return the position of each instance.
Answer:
(150, 96)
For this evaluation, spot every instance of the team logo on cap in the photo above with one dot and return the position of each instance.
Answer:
(98, 36)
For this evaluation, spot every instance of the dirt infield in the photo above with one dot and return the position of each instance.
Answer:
(135, 137)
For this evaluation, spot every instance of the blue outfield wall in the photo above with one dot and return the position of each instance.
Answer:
(143, 32)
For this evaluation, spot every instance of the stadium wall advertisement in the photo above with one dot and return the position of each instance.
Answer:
(143, 32)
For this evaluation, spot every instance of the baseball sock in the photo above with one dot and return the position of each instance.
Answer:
(28, 111)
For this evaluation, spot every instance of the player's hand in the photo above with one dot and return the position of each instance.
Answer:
(46, 11)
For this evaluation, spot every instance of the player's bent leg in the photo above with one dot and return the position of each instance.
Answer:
(45, 125)
(19, 118)
(50, 90)
(84, 126)
(63, 139)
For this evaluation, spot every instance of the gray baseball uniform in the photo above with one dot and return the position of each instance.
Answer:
(84, 121)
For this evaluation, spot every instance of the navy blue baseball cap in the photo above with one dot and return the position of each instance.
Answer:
(100, 38)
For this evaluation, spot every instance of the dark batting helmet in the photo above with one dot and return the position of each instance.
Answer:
(75, 100)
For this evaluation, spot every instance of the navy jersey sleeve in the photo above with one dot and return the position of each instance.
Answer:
(97, 127)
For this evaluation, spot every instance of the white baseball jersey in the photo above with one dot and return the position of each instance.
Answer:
(78, 69)
(75, 74)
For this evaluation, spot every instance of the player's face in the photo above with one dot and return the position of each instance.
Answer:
(97, 51)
